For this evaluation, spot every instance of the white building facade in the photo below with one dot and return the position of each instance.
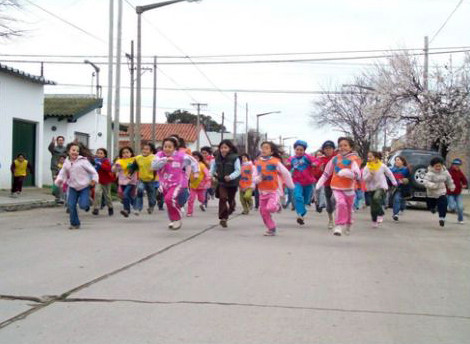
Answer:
(75, 117)
(21, 129)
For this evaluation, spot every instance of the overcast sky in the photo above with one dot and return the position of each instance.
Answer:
(220, 27)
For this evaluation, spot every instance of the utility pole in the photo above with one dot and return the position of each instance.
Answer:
(131, 122)
(426, 79)
(198, 124)
(117, 100)
(246, 130)
(426, 63)
(235, 121)
(109, 106)
(223, 129)
(154, 110)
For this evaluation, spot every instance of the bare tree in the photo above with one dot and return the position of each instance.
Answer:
(7, 21)
(437, 118)
(357, 110)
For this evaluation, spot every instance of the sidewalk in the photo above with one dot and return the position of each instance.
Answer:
(29, 199)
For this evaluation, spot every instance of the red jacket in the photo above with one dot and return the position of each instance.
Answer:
(459, 180)
(324, 160)
(104, 172)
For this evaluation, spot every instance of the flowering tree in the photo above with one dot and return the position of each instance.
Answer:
(437, 116)
(357, 110)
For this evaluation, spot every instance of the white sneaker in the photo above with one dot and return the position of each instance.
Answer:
(338, 231)
(347, 230)
(170, 225)
(176, 225)
(461, 222)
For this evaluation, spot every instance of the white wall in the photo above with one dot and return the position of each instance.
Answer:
(23, 100)
(91, 124)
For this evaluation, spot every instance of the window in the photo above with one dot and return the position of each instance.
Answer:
(82, 137)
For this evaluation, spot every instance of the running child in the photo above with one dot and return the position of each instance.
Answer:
(146, 178)
(344, 173)
(271, 175)
(437, 180)
(170, 165)
(127, 179)
(226, 171)
(247, 184)
(106, 178)
(454, 198)
(401, 172)
(329, 152)
(375, 175)
(19, 168)
(198, 184)
(302, 166)
(206, 152)
(79, 174)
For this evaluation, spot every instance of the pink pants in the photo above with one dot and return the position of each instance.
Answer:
(201, 197)
(268, 204)
(171, 201)
(344, 205)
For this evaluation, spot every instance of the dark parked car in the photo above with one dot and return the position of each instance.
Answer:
(418, 162)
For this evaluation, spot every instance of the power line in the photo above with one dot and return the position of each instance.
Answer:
(230, 90)
(204, 75)
(447, 20)
(241, 55)
(272, 61)
(66, 21)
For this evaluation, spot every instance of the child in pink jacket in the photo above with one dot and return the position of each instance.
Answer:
(79, 175)
(271, 174)
(170, 165)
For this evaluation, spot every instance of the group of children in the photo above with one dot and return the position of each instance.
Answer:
(335, 179)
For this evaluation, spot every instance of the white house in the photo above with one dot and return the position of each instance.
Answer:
(188, 132)
(75, 117)
(21, 129)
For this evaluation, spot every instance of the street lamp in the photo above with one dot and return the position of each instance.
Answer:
(284, 139)
(97, 70)
(260, 115)
(138, 101)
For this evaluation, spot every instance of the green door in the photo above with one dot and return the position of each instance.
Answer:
(24, 141)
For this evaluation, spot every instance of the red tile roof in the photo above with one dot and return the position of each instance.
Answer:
(185, 131)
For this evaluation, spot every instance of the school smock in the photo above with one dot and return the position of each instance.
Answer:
(144, 165)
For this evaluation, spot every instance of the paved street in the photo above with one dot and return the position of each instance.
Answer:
(134, 281)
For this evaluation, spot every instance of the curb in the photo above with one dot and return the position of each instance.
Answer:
(27, 205)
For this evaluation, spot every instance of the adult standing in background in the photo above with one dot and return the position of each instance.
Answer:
(57, 149)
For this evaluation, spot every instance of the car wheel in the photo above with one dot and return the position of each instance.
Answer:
(417, 176)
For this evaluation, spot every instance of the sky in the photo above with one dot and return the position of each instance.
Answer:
(233, 27)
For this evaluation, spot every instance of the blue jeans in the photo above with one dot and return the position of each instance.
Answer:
(455, 203)
(151, 195)
(358, 199)
(183, 197)
(81, 197)
(399, 203)
(302, 197)
(128, 200)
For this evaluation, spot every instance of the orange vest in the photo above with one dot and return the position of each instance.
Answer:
(267, 169)
(246, 180)
(339, 163)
